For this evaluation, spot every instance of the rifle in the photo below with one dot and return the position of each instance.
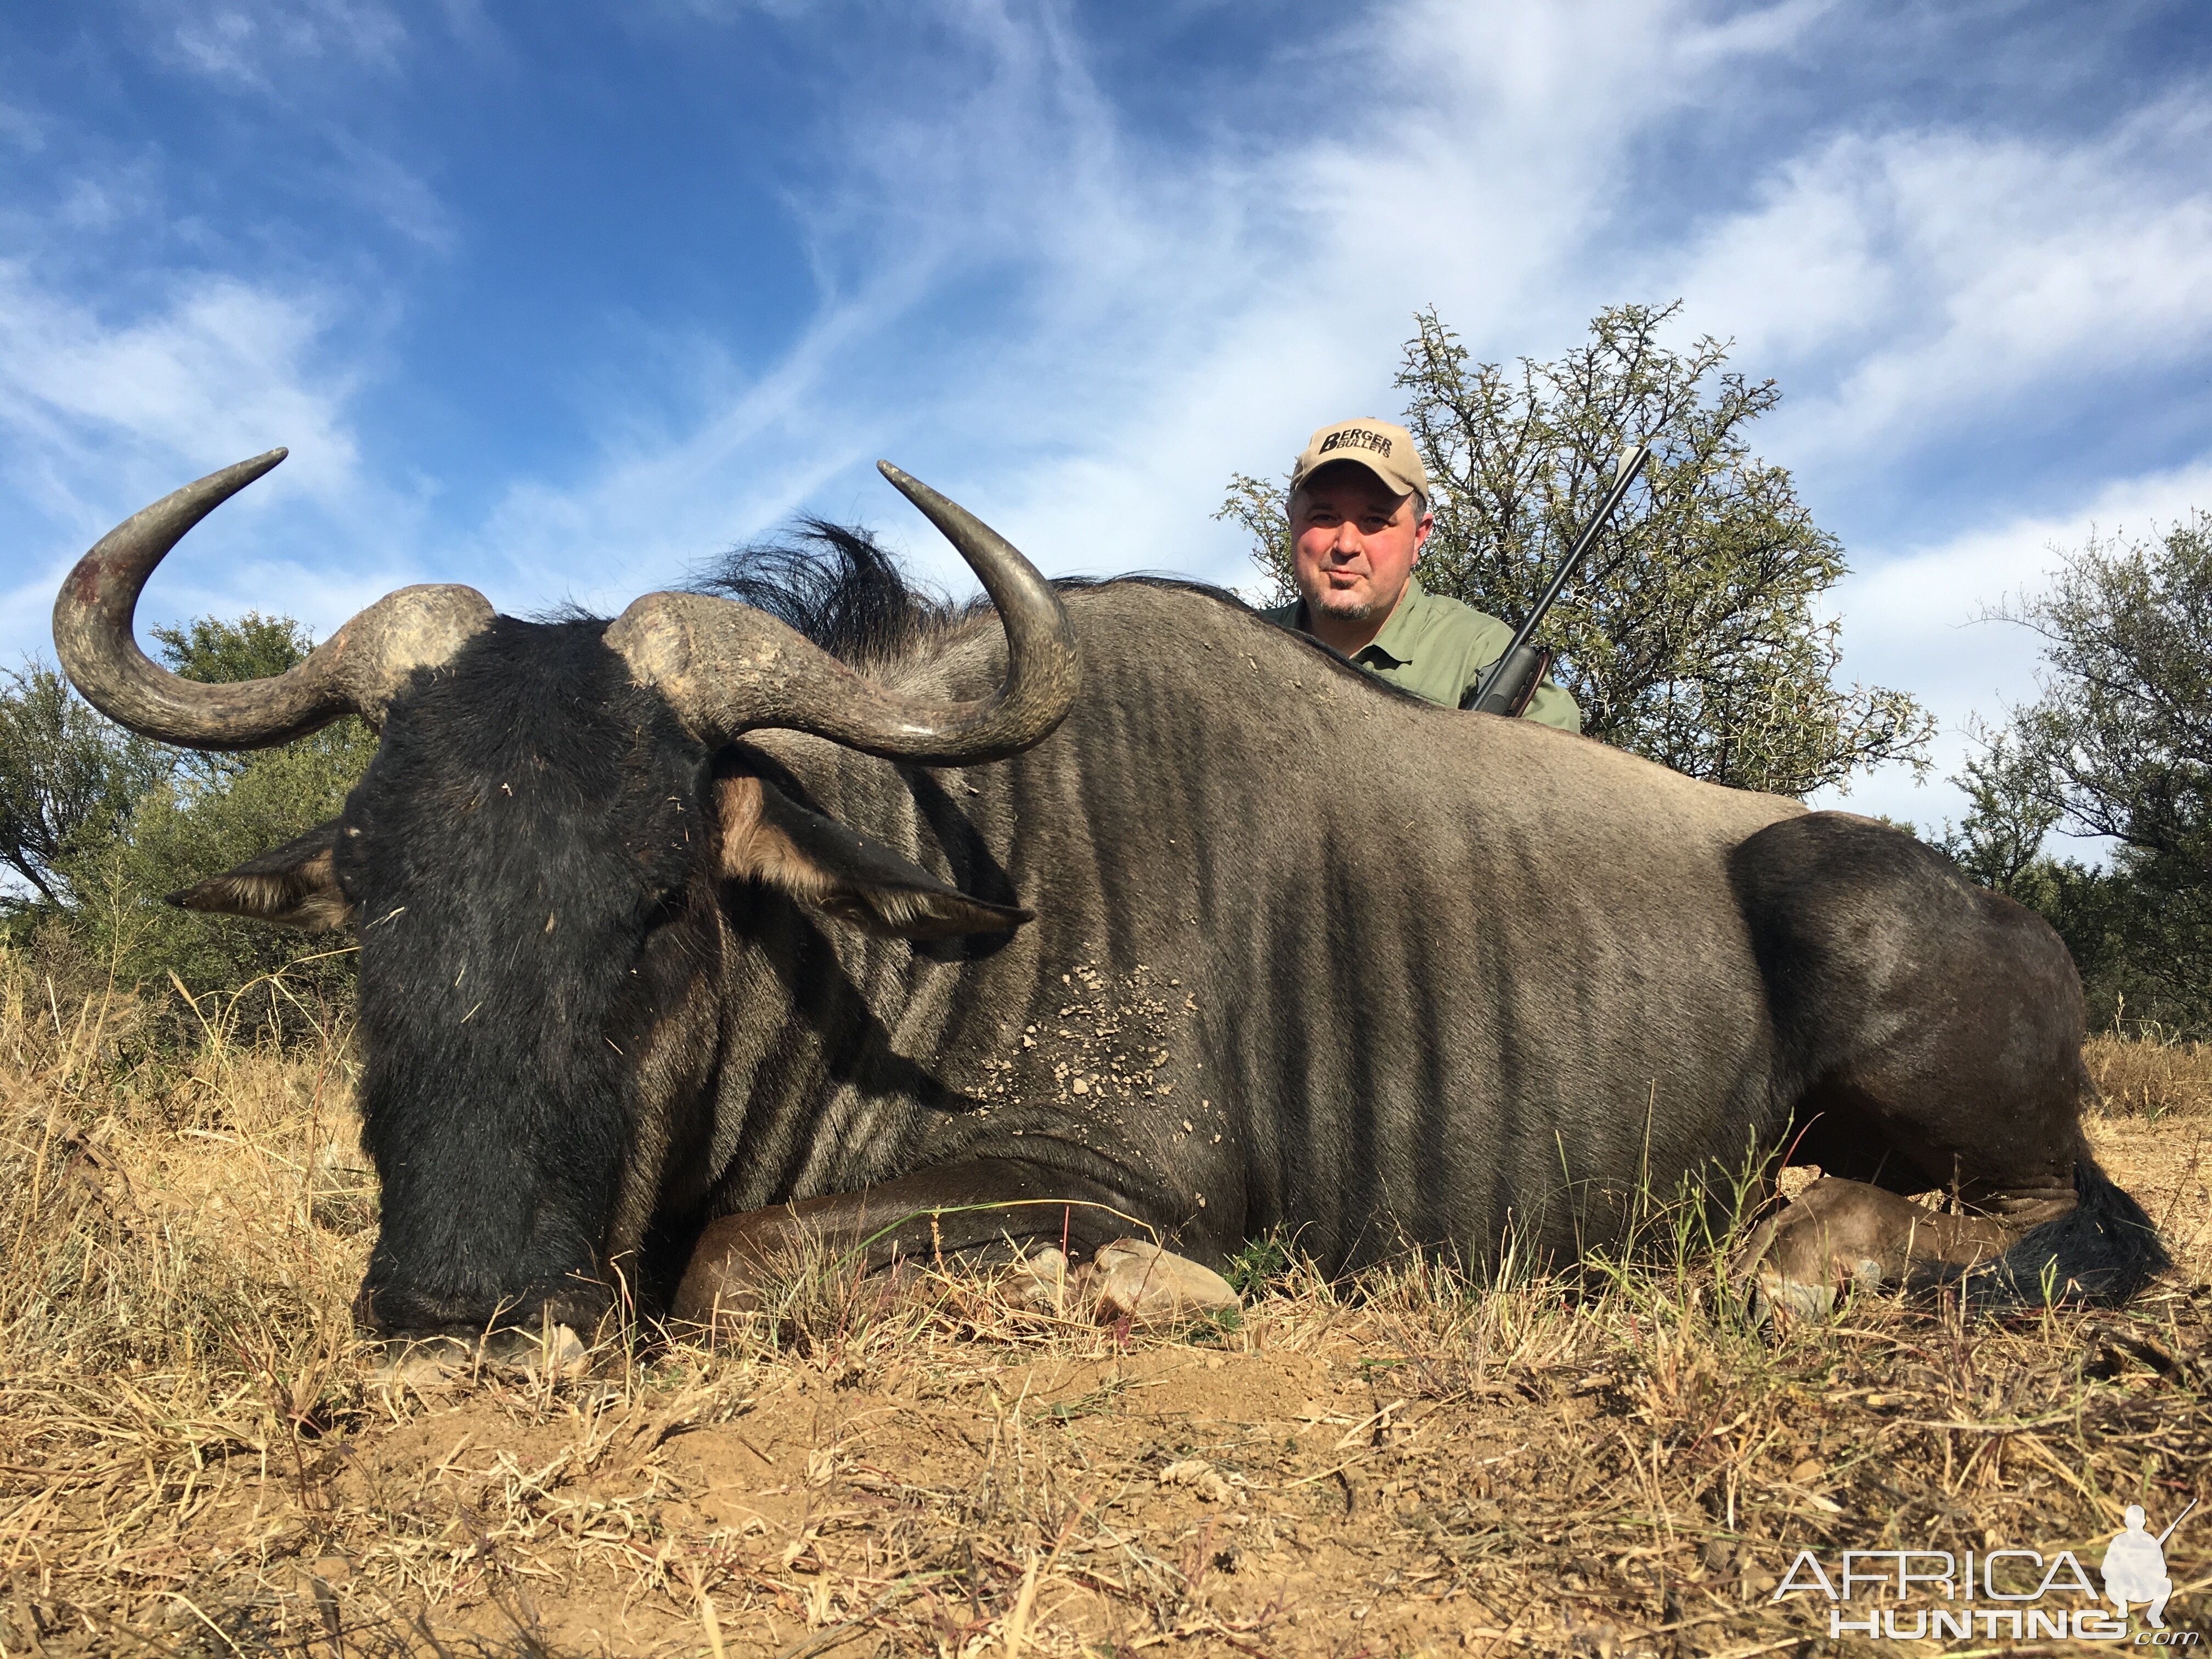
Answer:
(2178, 1520)
(1513, 678)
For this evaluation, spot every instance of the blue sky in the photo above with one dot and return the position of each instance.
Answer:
(561, 300)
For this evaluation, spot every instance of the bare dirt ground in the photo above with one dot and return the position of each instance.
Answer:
(196, 1457)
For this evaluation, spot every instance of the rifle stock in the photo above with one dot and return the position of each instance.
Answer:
(1511, 682)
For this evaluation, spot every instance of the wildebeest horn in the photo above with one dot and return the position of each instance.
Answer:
(358, 669)
(727, 668)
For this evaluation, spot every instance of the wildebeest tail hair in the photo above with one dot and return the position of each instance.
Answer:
(2102, 1251)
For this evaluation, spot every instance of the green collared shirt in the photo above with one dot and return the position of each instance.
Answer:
(1438, 649)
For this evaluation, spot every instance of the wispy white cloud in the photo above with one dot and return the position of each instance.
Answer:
(143, 343)
(100, 415)
(101, 199)
(1914, 284)
(1262, 287)
(19, 127)
(1935, 271)
(283, 50)
(221, 369)
(391, 192)
(248, 43)
(920, 193)
(725, 11)
(1913, 617)
(662, 502)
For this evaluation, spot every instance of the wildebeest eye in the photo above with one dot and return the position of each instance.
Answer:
(668, 906)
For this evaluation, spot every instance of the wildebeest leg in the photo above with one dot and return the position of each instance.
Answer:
(1939, 1107)
(1934, 1031)
(1840, 1233)
(973, 1210)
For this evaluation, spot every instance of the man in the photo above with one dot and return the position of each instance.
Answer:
(1359, 515)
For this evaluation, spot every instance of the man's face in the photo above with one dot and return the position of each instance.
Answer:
(1354, 542)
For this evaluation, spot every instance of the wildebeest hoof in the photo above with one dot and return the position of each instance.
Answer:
(1042, 1282)
(1129, 1279)
(442, 1362)
(1148, 1286)
(1834, 1234)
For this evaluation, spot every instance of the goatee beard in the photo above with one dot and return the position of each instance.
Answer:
(1358, 610)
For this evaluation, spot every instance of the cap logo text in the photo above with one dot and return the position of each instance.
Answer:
(1357, 437)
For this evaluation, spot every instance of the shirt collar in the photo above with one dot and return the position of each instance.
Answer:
(1400, 638)
(1398, 642)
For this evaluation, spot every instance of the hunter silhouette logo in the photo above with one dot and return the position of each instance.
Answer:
(1987, 1594)
(2135, 1567)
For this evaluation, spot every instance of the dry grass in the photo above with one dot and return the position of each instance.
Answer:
(2150, 1074)
(194, 1458)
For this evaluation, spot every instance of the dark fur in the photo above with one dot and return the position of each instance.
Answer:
(529, 779)
(2105, 1249)
(1404, 974)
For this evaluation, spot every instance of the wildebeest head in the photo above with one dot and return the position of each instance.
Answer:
(549, 815)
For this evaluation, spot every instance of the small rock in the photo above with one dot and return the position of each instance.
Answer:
(1200, 1476)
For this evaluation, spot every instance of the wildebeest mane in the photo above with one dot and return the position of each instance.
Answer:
(835, 585)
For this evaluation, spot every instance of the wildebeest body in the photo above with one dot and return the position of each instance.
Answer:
(1422, 986)
(1233, 937)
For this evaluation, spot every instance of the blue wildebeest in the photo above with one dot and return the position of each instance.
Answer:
(1118, 907)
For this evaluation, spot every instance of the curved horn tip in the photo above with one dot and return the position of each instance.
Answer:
(235, 477)
(919, 493)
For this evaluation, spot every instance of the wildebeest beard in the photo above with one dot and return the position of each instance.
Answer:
(529, 827)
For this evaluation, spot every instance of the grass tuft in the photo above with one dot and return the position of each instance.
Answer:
(1264, 1264)
(2150, 1074)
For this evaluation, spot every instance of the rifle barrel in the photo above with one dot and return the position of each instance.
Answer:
(1572, 562)
(2178, 1520)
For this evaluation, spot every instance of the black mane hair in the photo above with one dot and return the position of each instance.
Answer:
(835, 585)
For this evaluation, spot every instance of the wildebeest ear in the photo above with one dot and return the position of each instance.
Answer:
(768, 838)
(293, 886)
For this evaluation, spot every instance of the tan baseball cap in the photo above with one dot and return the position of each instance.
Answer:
(1383, 447)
